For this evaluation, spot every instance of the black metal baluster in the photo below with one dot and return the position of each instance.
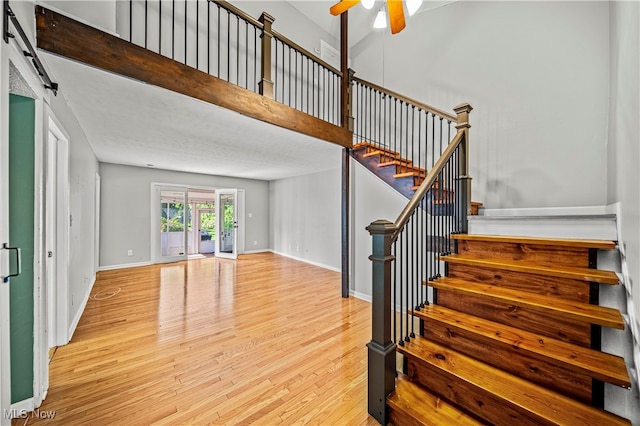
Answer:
(255, 59)
(289, 69)
(173, 29)
(246, 54)
(414, 272)
(403, 155)
(441, 136)
(197, 34)
(185, 32)
(440, 218)
(325, 104)
(160, 27)
(452, 194)
(406, 282)
(208, 37)
(218, 41)
(308, 84)
(394, 294)
(229, 47)
(423, 258)
(401, 340)
(130, 21)
(392, 129)
(238, 51)
(145, 22)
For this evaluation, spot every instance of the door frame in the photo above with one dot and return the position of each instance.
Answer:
(156, 253)
(60, 301)
(220, 221)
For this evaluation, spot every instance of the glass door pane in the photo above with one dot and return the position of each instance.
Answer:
(227, 221)
(172, 241)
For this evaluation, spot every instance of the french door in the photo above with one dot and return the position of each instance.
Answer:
(170, 223)
(227, 223)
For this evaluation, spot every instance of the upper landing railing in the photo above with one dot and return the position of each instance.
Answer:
(217, 38)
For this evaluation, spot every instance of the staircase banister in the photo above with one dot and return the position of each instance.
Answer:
(408, 100)
(305, 52)
(427, 183)
(234, 10)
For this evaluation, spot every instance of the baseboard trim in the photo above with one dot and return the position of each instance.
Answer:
(83, 305)
(547, 212)
(257, 251)
(361, 296)
(311, 262)
(20, 409)
(123, 266)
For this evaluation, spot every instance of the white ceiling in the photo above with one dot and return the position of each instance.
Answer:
(133, 123)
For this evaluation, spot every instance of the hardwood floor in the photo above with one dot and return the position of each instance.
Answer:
(265, 340)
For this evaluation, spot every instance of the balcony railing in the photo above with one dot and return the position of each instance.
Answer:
(218, 38)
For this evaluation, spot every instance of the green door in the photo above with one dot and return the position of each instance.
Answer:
(21, 234)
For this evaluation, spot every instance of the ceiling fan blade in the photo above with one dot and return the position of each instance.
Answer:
(342, 6)
(396, 15)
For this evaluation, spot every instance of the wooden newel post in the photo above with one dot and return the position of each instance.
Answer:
(265, 86)
(382, 350)
(463, 196)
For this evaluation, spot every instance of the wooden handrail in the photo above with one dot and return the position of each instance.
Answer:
(305, 52)
(426, 184)
(407, 100)
(234, 10)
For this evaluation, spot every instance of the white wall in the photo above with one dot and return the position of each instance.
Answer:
(305, 216)
(98, 13)
(126, 207)
(306, 219)
(372, 199)
(536, 74)
(624, 145)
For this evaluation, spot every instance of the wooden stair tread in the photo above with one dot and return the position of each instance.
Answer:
(411, 173)
(424, 407)
(598, 365)
(390, 154)
(567, 242)
(399, 162)
(548, 406)
(576, 311)
(583, 274)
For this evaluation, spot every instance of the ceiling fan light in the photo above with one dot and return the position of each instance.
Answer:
(381, 20)
(367, 4)
(413, 6)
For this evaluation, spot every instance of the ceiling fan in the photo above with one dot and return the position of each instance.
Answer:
(394, 8)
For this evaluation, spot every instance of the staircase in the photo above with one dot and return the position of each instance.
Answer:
(512, 338)
(401, 174)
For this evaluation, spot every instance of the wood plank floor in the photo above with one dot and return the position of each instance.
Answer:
(263, 340)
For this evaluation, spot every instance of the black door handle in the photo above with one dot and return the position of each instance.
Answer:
(18, 261)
